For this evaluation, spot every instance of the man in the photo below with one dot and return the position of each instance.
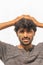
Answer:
(25, 53)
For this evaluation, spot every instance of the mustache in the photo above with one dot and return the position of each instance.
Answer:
(27, 38)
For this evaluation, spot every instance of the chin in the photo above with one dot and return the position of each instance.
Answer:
(25, 44)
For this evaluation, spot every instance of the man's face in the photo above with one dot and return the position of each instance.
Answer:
(25, 36)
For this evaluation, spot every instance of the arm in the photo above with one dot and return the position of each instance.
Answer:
(5, 25)
(10, 23)
(2, 50)
(38, 24)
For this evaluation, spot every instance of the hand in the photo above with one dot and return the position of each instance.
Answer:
(34, 20)
(16, 20)
(38, 24)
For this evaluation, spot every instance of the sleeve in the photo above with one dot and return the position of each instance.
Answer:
(40, 47)
(2, 50)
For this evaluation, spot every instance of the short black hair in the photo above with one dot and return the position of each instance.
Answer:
(25, 23)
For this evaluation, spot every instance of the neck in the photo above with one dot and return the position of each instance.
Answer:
(25, 47)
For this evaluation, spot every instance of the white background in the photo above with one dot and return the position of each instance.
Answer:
(10, 9)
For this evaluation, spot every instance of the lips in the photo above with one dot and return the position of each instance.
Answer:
(26, 40)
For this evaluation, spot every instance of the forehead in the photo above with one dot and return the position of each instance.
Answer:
(25, 29)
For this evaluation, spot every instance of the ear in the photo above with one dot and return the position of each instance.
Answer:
(34, 33)
(17, 33)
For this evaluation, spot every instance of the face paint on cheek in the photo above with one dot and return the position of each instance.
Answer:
(20, 35)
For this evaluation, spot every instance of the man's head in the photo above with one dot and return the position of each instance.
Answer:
(25, 30)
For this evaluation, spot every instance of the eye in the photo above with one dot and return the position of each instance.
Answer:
(21, 31)
(29, 31)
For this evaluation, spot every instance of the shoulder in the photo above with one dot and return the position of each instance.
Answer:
(6, 45)
(40, 46)
(9, 49)
(38, 49)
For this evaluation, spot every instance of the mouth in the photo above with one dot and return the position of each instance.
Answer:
(26, 40)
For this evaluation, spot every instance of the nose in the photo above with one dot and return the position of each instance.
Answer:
(25, 34)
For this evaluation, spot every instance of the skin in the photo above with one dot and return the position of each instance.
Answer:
(25, 36)
(12, 22)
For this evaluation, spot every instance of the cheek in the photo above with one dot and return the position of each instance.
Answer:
(20, 35)
(31, 35)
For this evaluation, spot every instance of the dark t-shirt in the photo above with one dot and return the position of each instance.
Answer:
(12, 55)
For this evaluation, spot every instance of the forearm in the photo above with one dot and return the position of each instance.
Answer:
(10, 23)
(38, 24)
(6, 24)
